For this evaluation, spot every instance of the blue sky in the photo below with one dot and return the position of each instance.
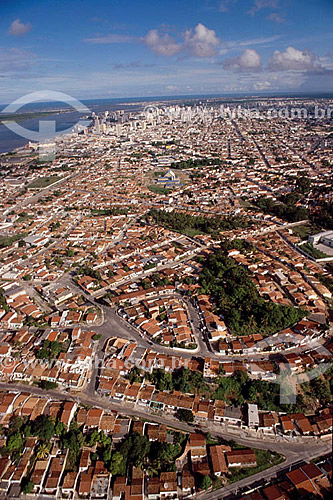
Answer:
(124, 48)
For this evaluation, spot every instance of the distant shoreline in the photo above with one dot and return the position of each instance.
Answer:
(68, 117)
(21, 117)
(139, 99)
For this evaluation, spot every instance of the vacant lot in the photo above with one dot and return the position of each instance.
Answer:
(43, 182)
(305, 230)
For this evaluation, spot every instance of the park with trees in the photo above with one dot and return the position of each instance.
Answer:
(194, 224)
(238, 301)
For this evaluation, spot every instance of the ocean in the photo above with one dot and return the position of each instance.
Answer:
(63, 116)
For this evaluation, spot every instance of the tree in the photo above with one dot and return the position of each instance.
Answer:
(27, 487)
(204, 482)
(47, 385)
(103, 439)
(186, 380)
(93, 438)
(43, 451)
(239, 301)
(241, 376)
(135, 375)
(139, 450)
(303, 184)
(60, 428)
(97, 336)
(14, 442)
(15, 425)
(49, 350)
(74, 441)
(162, 380)
(118, 464)
(107, 452)
(321, 390)
(43, 427)
(164, 455)
(185, 415)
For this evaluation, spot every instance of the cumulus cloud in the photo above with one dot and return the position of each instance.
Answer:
(249, 60)
(161, 44)
(201, 42)
(18, 29)
(297, 60)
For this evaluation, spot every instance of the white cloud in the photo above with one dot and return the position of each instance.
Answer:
(249, 60)
(262, 85)
(18, 29)
(259, 41)
(15, 60)
(224, 5)
(263, 4)
(163, 45)
(202, 42)
(276, 18)
(294, 59)
(170, 88)
(110, 39)
(233, 45)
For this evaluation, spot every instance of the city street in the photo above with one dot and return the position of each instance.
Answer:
(294, 452)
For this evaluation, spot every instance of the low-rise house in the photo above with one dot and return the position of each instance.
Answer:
(187, 483)
(218, 460)
(302, 482)
(253, 416)
(100, 482)
(119, 488)
(302, 423)
(68, 412)
(38, 474)
(241, 458)
(168, 484)
(273, 492)
(85, 481)
(232, 415)
(54, 474)
(153, 488)
(69, 484)
(267, 422)
(197, 445)
(145, 395)
(324, 423)
(286, 424)
(93, 418)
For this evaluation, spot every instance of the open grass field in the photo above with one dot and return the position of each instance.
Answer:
(43, 182)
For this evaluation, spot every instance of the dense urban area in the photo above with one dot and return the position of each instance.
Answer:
(166, 305)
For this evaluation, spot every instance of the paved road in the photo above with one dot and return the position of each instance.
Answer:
(292, 450)
(43, 191)
(115, 326)
(262, 477)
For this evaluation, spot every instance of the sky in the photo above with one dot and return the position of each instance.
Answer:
(129, 48)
